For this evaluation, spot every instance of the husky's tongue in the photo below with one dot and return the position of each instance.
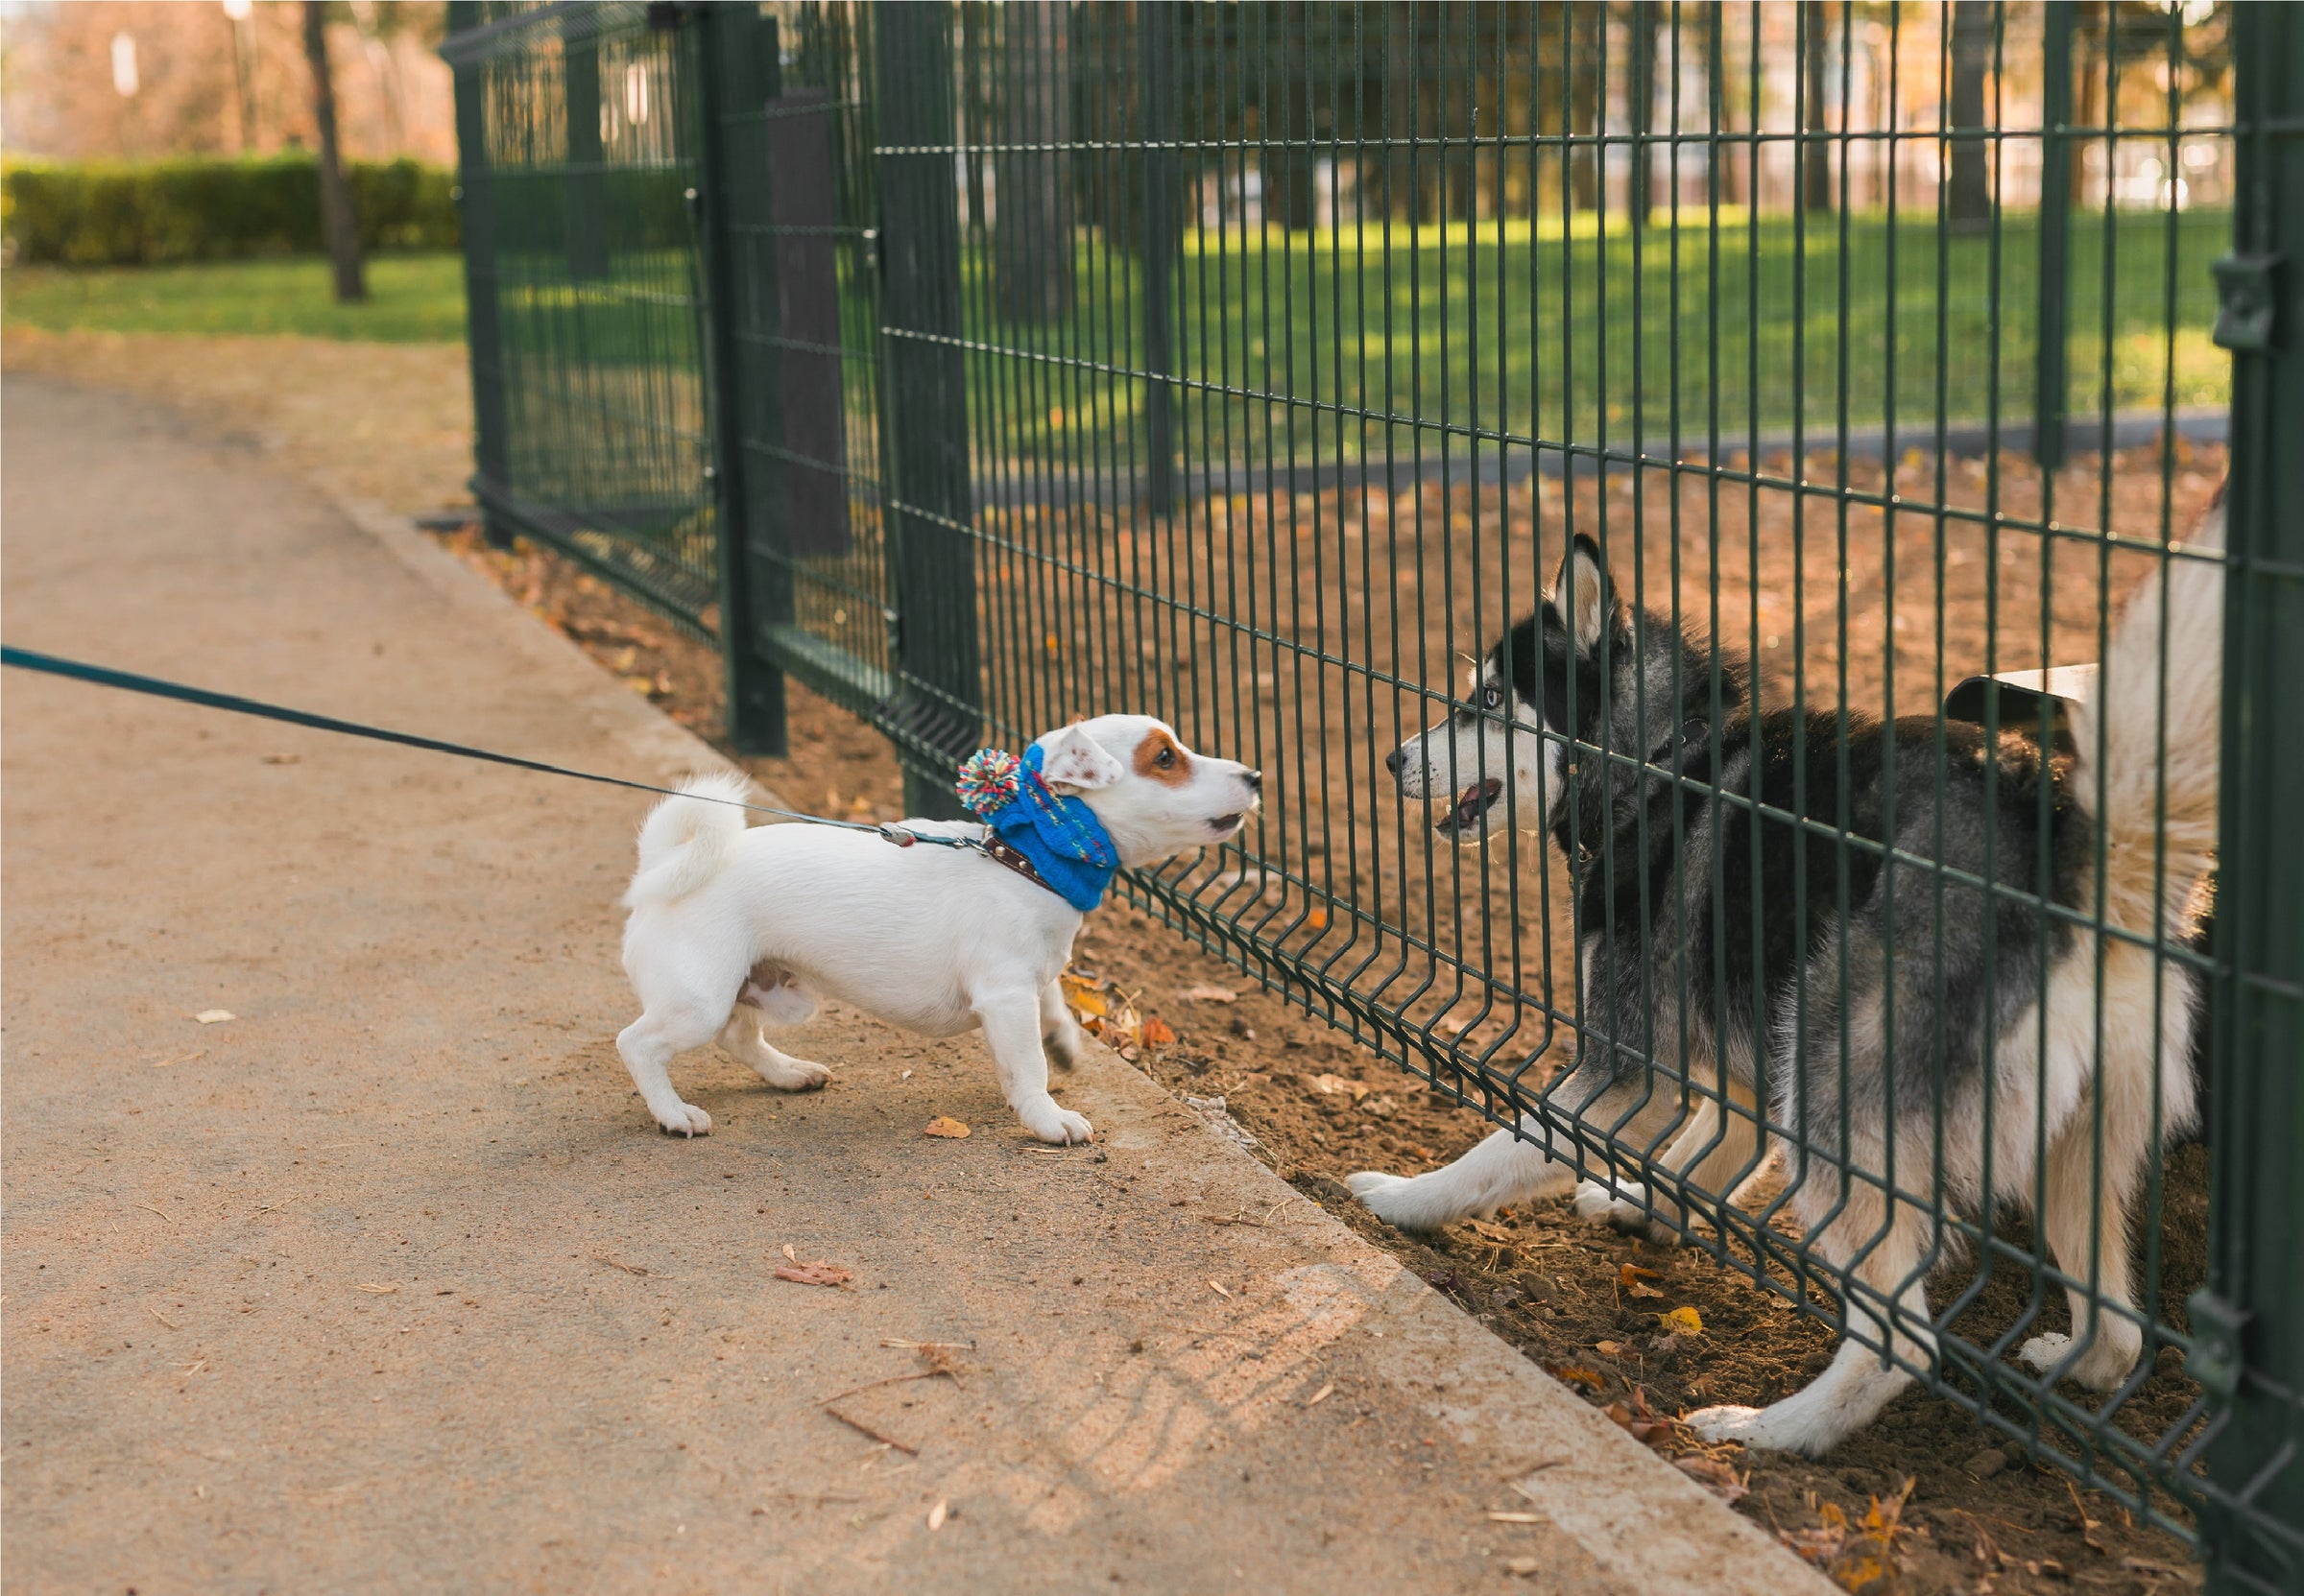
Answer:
(1474, 802)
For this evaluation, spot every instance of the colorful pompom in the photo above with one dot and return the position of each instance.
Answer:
(989, 779)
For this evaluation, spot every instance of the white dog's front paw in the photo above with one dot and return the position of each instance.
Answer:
(1052, 1122)
(1595, 1202)
(2102, 1368)
(1411, 1202)
(683, 1119)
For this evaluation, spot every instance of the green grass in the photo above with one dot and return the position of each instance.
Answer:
(413, 298)
(1554, 336)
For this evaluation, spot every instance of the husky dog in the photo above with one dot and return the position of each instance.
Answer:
(1879, 1019)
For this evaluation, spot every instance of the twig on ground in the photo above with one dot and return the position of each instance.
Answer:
(859, 1425)
(618, 1263)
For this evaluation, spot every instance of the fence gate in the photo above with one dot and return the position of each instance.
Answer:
(1255, 365)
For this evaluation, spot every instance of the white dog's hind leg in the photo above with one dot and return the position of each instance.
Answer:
(1066, 1042)
(741, 1038)
(649, 1044)
(1500, 1171)
(1012, 1030)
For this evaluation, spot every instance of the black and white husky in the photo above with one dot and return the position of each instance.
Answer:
(1886, 1005)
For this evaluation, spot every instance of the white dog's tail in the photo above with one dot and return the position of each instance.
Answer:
(2151, 784)
(685, 839)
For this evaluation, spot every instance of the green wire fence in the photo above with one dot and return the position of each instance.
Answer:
(1255, 365)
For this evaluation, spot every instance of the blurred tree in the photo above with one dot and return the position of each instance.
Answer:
(1032, 176)
(336, 219)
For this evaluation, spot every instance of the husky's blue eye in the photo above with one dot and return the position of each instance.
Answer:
(1492, 697)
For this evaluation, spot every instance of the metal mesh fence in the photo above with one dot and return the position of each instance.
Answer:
(1259, 366)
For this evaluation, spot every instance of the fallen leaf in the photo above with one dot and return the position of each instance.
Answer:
(214, 1016)
(1576, 1374)
(1317, 919)
(1209, 995)
(1328, 1085)
(1086, 996)
(1715, 1476)
(1609, 1348)
(1157, 1034)
(944, 1125)
(938, 1513)
(1514, 1517)
(1321, 1395)
(1682, 1322)
(821, 1273)
(1219, 1291)
(380, 1290)
(1523, 1568)
(1629, 1277)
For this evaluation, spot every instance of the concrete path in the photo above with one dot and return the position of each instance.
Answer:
(388, 1283)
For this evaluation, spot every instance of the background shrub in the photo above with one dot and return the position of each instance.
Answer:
(195, 208)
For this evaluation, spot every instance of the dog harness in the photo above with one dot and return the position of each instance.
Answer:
(1056, 842)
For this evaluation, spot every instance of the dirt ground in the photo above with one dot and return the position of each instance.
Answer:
(1925, 1497)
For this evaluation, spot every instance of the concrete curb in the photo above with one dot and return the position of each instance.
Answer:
(1637, 1517)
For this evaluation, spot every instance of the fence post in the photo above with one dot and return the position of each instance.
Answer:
(2052, 383)
(476, 211)
(1155, 87)
(733, 60)
(2249, 1324)
(934, 716)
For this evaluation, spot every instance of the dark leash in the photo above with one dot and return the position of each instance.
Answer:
(26, 659)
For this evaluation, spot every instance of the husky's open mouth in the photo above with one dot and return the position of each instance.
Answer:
(1470, 807)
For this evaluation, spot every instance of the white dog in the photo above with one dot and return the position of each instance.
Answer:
(733, 927)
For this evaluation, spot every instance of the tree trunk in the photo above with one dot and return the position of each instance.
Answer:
(1640, 103)
(1970, 201)
(1816, 154)
(337, 224)
(1287, 115)
(1032, 239)
(1586, 25)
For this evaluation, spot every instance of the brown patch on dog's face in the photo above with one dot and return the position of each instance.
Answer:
(1160, 757)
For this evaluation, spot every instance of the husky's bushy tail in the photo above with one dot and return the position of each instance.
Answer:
(685, 839)
(2148, 741)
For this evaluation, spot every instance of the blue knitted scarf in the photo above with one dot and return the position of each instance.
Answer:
(1062, 836)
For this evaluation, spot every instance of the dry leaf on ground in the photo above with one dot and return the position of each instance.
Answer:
(214, 1016)
(945, 1125)
(1682, 1322)
(938, 1513)
(1328, 1085)
(1713, 1476)
(1157, 1034)
(1086, 996)
(1629, 1277)
(823, 1271)
(1209, 995)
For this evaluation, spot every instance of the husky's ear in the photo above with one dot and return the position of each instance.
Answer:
(1583, 597)
(1072, 761)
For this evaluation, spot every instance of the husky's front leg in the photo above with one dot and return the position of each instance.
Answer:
(1500, 1171)
(1012, 1022)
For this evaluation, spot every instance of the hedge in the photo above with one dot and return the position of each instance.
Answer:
(109, 214)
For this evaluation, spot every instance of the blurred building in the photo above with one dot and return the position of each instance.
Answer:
(136, 79)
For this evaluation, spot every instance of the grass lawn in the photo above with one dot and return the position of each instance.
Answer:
(413, 298)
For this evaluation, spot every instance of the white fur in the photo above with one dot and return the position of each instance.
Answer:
(733, 928)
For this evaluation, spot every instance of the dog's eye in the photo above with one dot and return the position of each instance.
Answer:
(1492, 697)
(1166, 759)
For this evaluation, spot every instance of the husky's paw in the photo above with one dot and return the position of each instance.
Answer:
(2102, 1368)
(794, 1075)
(1762, 1429)
(1051, 1123)
(683, 1119)
(1596, 1205)
(1411, 1202)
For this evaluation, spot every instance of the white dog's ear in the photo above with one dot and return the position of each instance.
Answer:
(1072, 761)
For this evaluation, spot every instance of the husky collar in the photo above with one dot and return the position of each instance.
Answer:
(1069, 851)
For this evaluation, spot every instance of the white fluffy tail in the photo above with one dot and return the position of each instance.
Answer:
(685, 839)
(2148, 742)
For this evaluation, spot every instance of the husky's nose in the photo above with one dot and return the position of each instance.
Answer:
(1255, 780)
(1392, 761)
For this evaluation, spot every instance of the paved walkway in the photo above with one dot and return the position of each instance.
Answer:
(388, 1283)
